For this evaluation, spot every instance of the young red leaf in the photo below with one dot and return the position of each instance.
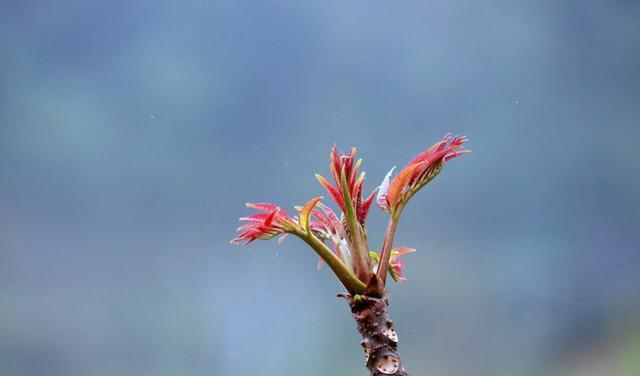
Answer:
(304, 221)
(398, 184)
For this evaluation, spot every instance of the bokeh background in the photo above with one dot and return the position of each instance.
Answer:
(132, 133)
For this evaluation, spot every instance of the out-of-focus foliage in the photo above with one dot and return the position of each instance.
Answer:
(131, 132)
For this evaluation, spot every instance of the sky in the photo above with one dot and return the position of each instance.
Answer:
(133, 132)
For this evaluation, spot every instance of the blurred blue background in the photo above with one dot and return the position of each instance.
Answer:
(132, 133)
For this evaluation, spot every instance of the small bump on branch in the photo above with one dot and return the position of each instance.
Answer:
(379, 338)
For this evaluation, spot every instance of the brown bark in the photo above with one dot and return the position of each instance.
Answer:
(379, 338)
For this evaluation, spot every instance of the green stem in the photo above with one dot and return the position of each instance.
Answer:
(387, 244)
(359, 249)
(346, 276)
